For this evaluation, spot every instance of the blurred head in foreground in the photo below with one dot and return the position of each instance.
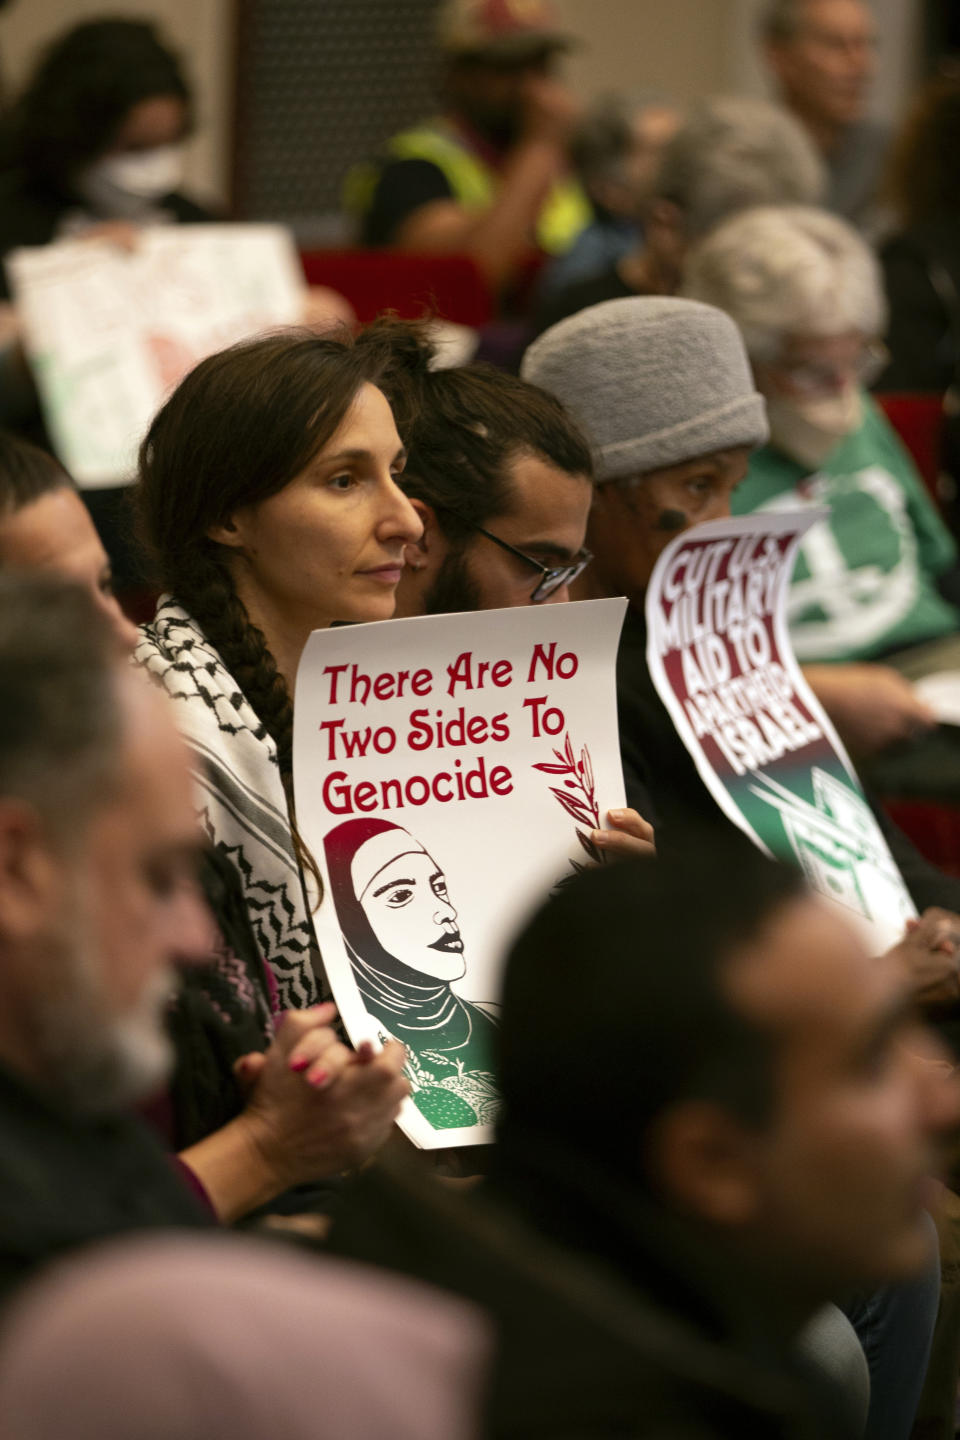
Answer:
(744, 1062)
(45, 526)
(97, 850)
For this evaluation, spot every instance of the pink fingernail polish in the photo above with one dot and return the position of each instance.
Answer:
(319, 1079)
(298, 1065)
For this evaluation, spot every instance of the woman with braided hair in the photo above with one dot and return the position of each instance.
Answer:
(268, 496)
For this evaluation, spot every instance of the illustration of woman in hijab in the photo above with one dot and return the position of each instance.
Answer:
(401, 934)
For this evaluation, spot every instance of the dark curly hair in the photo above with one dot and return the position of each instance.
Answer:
(463, 428)
(85, 85)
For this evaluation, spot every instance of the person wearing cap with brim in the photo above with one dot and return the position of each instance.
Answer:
(489, 177)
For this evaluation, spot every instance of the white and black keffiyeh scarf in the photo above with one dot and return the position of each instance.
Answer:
(241, 800)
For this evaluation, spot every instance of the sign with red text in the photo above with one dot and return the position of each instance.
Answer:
(449, 771)
(720, 656)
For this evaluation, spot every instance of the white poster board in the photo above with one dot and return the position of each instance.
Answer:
(110, 332)
(448, 771)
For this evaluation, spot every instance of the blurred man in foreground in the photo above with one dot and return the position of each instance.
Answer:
(742, 1123)
(97, 904)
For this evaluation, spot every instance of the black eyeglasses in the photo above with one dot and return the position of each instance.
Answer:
(554, 576)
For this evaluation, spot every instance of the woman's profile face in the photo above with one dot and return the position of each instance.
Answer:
(329, 545)
(409, 912)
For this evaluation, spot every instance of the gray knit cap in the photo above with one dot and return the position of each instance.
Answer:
(652, 380)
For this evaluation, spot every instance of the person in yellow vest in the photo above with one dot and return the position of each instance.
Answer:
(488, 177)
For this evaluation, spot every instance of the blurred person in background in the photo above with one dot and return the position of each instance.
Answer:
(872, 603)
(97, 138)
(489, 177)
(921, 259)
(822, 55)
(729, 152)
(95, 146)
(616, 150)
(45, 527)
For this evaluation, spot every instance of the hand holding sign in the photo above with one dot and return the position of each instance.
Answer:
(442, 797)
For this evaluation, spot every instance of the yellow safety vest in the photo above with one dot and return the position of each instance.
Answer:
(565, 213)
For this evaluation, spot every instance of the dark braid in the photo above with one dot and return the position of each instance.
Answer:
(210, 597)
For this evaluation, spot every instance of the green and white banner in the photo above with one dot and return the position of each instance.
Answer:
(720, 656)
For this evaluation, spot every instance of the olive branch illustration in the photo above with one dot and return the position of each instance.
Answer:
(578, 796)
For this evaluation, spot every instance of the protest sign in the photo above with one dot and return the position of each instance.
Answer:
(720, 656)
(110, 332)
(448, 772)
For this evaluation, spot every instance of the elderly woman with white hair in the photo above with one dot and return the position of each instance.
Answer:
(873, 581)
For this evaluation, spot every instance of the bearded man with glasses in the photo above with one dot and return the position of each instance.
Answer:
(501, 478)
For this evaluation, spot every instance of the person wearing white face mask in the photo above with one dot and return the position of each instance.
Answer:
(96, 137)
(95, 145)
(132, 183)
(876, 581)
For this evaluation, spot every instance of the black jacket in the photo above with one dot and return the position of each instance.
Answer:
(584, 1348)
(66, 1182)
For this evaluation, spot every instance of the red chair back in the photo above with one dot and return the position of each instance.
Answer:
(448, 286)
(918, 420)
(933, 828)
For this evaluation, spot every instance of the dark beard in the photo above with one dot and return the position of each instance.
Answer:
(454, 591)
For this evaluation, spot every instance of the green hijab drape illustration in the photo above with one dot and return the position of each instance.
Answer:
(400, 930)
